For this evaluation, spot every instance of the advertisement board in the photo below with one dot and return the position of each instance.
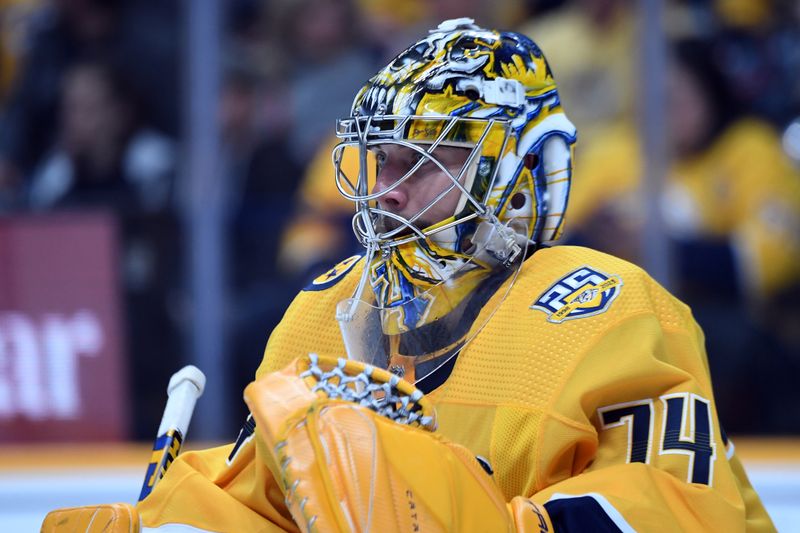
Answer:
(61, 349)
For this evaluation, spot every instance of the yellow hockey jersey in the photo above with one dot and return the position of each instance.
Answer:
(588, 392)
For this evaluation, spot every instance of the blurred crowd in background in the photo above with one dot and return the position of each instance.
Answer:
(91, 103)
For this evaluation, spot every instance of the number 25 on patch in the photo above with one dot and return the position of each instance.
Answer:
(687, 430)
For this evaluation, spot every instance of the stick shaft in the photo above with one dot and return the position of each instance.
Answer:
(183, 391)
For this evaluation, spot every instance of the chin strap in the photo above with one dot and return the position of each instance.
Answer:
(496, 242)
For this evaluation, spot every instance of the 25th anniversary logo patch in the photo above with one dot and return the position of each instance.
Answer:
(581, 293)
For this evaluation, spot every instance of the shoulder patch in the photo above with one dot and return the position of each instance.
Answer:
(581, 293)
(332, 276)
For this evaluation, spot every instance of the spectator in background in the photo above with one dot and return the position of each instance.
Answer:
(325, 62)
(388, 25)
(732, 207)
(593, 44)
(728, 174)
(759, 54)
(757, 50)
(102, 156)
(67, 32)
(732, 211)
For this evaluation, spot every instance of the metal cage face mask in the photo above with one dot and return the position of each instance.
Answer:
(423, 140)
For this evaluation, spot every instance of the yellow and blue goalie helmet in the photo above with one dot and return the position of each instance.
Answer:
(468, 125)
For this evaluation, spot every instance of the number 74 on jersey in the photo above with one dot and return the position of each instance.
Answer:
(686, 429)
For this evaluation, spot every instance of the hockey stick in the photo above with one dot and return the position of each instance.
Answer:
(184, 388)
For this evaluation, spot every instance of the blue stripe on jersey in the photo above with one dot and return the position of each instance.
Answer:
(579, 513)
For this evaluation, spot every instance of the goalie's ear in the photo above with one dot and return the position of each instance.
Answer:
(105, 518)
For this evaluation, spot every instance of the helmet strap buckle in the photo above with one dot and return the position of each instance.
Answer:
(497, 241)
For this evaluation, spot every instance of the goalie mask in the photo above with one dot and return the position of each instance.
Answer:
(465, 161)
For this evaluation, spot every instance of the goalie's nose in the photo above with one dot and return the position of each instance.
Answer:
(394, 200)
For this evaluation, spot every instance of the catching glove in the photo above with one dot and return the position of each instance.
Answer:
(354, 449)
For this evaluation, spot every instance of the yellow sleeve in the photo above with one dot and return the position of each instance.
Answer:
(640, 399)
(218, 490)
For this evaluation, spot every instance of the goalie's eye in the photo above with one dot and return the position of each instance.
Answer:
(407, 160)
(380, 157)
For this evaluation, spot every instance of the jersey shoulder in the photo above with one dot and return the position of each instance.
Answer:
(309, 324)
(335, 274)
(567, 283)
